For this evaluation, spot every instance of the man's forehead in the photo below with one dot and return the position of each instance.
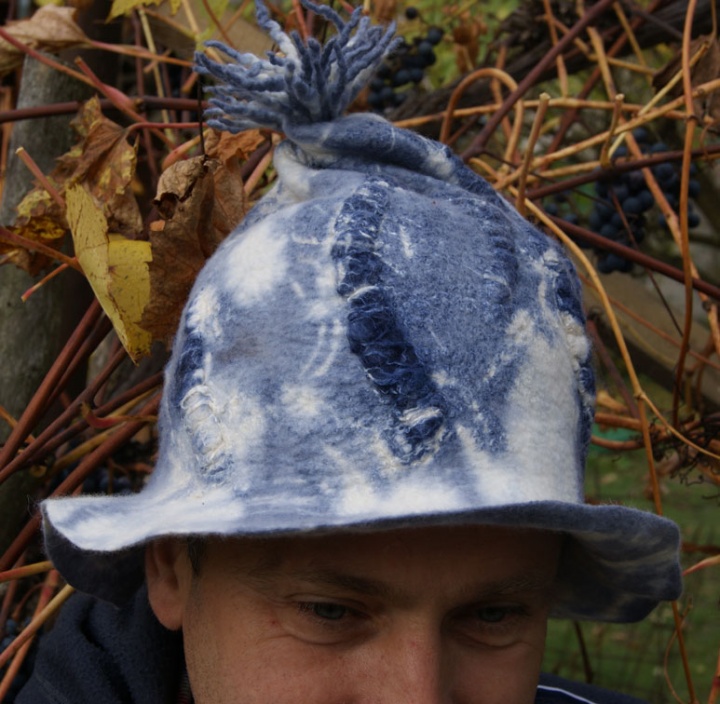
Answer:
(478, 560)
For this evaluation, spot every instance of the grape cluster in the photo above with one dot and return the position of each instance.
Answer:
(619, 213)
(403, 67)
(560, 206)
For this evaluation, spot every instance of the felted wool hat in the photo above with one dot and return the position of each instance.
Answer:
(384, 342)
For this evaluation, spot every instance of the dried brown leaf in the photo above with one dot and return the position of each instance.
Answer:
(229, 147)
(40, 229)
(104, 162)
(40, 219)
(173, 33)
(51, 28)
(177, 183)
(201, 201)
(706, 69)
(466, 42)
(385, 11)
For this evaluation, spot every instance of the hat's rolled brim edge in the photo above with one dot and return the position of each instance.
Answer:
(617, 563)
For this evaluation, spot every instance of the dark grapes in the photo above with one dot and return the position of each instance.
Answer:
(387, 93)
(609, 262)
(632, 206)
(559, 207)
(425, 47)
(404, 67)
(435, 35)
(664, 173)
(401, 77)
(619, 213)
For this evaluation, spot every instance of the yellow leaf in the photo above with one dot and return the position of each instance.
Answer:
(41, 229)
(124, 7)
(103, 161)
(116, 267)
(36, 202)
(218, 7)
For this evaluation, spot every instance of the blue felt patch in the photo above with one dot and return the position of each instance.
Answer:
(374, 332)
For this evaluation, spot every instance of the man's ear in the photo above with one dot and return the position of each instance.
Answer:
(168, 575)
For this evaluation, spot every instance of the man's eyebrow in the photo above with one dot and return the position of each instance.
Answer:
(515, 584)
(267, 577)
(525, 582)
(349, 582)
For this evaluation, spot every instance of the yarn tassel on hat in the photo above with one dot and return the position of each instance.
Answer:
(310, 83)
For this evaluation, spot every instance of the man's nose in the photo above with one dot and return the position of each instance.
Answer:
(414, 668)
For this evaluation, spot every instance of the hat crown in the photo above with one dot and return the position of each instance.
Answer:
(383, 328)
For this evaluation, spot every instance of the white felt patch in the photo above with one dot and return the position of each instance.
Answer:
(302, 401)
(256, 266)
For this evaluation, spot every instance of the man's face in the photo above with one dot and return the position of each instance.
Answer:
(414, 616)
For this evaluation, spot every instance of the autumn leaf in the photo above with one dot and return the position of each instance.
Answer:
(466, 41)
(125, 7)
(385, 11)
(51, 28)
(201, 201)
(45, 230)
(242, 35)
(40, 219)
(116, 268)
(104, 162)
(229, 147)
(705, 70)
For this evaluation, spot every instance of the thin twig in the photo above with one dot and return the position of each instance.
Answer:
(257, 173)
(614, 121)
(34, 246)
(466, 82)
(478, 144)
(49, 277)
(34, 626)
(684, 233)
(40, 176)
(26, 571)
(147, 32)
(560, 61)
(214, 19)
(36, 406)
(529, 150)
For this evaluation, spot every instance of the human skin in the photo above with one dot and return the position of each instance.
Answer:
(441, 615)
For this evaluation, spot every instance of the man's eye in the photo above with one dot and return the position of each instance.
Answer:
(492, 614)
(496, 626)
(328, 611)
(325, 622)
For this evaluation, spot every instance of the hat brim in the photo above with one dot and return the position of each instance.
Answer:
(616, 565)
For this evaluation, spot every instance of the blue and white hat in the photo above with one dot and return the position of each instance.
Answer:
(384, 342)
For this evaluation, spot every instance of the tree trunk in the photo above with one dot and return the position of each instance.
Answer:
(32, 333)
